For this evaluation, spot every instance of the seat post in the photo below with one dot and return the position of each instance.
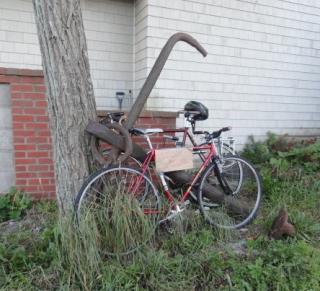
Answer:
(148, 141)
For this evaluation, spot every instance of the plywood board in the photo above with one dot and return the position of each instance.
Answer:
(174, 159)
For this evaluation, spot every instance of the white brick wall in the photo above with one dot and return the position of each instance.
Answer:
(262, 69)
(109, 30)
(261, 73)
(140, 44)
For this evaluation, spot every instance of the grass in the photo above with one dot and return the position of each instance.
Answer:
(42, 252)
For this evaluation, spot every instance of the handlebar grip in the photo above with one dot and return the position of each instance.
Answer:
(226, 128)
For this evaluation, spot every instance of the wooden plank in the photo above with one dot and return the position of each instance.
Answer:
(174, 159)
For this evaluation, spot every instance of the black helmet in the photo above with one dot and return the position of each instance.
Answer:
(197, 106)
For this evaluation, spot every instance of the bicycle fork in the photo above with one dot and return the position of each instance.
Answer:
(218, 171)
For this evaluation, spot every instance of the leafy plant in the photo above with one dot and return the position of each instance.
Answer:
(13, 204)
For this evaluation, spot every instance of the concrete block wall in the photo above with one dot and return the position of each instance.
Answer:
(7, 172)
(262, 69)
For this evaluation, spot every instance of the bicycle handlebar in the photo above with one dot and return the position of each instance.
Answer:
(216, 134)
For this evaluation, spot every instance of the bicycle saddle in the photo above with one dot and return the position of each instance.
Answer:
(145, 131)
(116, 115)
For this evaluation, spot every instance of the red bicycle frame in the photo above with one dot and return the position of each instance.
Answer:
(186, 133)
(212, 152)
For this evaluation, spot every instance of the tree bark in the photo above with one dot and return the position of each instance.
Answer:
(71, 102)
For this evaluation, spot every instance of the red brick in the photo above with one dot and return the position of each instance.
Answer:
(22, 103)
(24, 133)
(35, 111)
(44, 133)
(21, 168)
(18, 125)
(46, 174)
(53, 181)
(21, 88)
(38, 154)
(17, 95)
(34, 181)
(31, 80)
(26, 175)
(44, 147)
(34, 95)
(48, 187)
(37, 125)
(16, 111)
(25, 161)
(24, 147)
(21, 182)
(43, 103)
(38, 168)
(20, 154)
(39, 88)
(37, 140)
(45, 181)
(42, 118)
(18, 139)
(23, 118)
(44, 161)
(5, 79)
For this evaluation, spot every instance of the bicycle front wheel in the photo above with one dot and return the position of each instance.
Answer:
(240, 190)
(122, 205)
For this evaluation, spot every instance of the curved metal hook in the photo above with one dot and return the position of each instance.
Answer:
(155, 72)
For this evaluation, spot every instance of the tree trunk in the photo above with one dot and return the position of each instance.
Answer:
(71, 102)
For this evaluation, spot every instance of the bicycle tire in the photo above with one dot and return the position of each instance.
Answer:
(115, 199)
(247, 192)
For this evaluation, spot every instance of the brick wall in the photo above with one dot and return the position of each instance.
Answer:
(31, 134)
(34, 168)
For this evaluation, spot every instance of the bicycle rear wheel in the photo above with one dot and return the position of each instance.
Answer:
(124, 207)
(241, 185)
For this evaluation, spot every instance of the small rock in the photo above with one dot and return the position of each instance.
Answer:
(239, 248)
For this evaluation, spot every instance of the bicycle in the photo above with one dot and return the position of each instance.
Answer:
(235, 206)
(193, 111)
